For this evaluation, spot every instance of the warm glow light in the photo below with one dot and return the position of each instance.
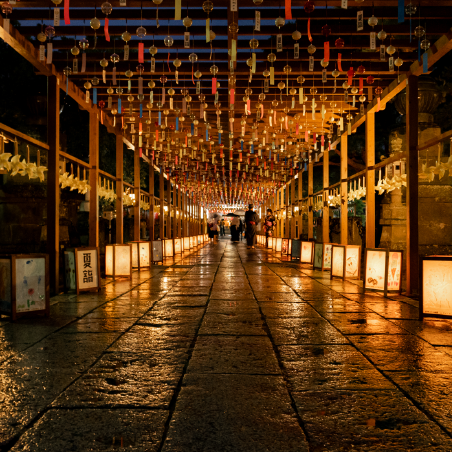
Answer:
(374, 275)
(118, 260)
(307, 250)
(338, 256)
(192, 242)
(168, 247)
(143, 250)
(286, 247)
(109, 260)
(318, 255)
(278, 244)
(436, 293)
(352, 261)
(177, 246)
(270, 242)
(186, 243)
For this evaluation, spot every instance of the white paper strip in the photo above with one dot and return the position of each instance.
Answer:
(373, 40)
(382, 53)
(186, 40)
(104, 76)
(56, 17)
(234, 5)
(126, 52)
(75, 66)
(359, 21)
(344, 4)
(49, 52)
(257, 21)
(278, 43)
(311, 63)
(42, 52)
(296, 51)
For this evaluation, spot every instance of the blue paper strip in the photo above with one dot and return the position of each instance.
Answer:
(95, 96)
(192, 129)
(270, 154)
(219, 138)
(241, 145)
(141, 110)
(425, 62)
(305, 166)
(419, 51)
(252, 149)
(119, 106)
(177, 123)
(401, 14)
(207, 134)
(160, 118)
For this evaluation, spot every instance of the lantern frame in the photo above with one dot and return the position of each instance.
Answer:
(354, 247)
(434, 258)
(155, 245)
(297, 255)
(385, 289)
(186, 241)
(138, 255)
(178, 243)
(168, 248)
(288, 251)
(94, 288)
(278, 244)
(325, 245)
(332, 275)
(112, 272)
(270, 243)
(311, 244)
(316, 245)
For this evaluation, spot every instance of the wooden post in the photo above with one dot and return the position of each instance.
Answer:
(137, 192)
(162, 203)
(181, 211)
(326, 207)
(119, 189)
(151, 201)
(344, 192)
(292, 220)
(311, 199)
(412, 189)
(94, 178)
(370, 180)
(300, 196)
(53, 185)
(174, 211)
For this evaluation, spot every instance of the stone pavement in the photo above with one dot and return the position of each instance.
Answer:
(227, 349)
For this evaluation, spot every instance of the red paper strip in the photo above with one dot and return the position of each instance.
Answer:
(306, 136)
(297, 128)
(248, 107)
(339, 65)
(156, 135)
(141, 152)
(350, 73)
(101, 117)
(309, 29)
(326, 51)
(192, 79)
(314, 137)
(214, 85)
(232, 95)
(67, 20)
(322, 140)
(169, 67)
(262, 111)
(122, 121)
(361, 85)
(107, 36)
(288, 8)
(140, 127)
(140, 52)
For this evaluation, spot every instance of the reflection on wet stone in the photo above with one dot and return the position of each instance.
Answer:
(226, 349)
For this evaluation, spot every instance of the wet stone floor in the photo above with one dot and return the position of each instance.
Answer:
(227, 349)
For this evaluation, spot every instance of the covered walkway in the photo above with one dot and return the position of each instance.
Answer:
(228, 349)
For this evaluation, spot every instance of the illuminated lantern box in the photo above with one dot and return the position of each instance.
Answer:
(327, 256)
(338, 261)
(296, 249)
(87, 269)
(383, 270)
(352, 261)
(24, 285)
(141, 254)
(70, 283)
(186, 243)
(206, 237)
(270, 242)
(199, 239)
(192, 242)
(436, 287)
(118, 260)
(307, 252)
(277, 242)
(157, 251)
(318, 255)
(178, 244)
(168, 248)
(286, 247)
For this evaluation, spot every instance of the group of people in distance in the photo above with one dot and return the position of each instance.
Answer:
(251, 222)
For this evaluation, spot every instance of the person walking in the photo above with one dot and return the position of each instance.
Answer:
(240, 229)
(222, 227)
(268, 225)
(235, 225)
(251, 220)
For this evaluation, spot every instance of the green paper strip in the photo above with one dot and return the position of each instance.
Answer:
(177, 10)
(207, 30)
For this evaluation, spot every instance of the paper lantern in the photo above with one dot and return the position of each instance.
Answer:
(87, 269)
(177, 246)
(278, 244)
(327, 252)
(318, 255)
(118, 260)
(296, 249)
(157, 251)
(24, 285)
(436, 286)
(383, 270)
(199, 239)
(186, 243)
(70, 283)
(168, 248)
(141, 254)
(338, 261)
(352, 261)
(307, 252)
(286, 248)
(206, 237)
(192, 242)
(270, 242)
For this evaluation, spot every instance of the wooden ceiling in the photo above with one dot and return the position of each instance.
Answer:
(433, 16)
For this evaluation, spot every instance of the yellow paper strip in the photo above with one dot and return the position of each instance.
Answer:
(253, 65)
(207, 30)
(177, 10)
(234, 50)
(272, 75)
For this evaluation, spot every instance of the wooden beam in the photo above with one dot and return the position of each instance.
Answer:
(344, 193)
(53, 184)
(137, 192)
(326, 207)
(23, 136)
(93, 178)
(119, 189)
(370, 180)
(412, 189)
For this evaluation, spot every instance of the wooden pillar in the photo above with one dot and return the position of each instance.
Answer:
(137, 192)
(344, 193)
(292, 220)
(119, 189)
(151, 201)
(93, 178)
(183, 210)
(412, 189)
(53, 184)
(169, 224)
(162, 203)
(174, 211)
(326, 208)
(311, 199)
(370, 180)
(300, 196)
